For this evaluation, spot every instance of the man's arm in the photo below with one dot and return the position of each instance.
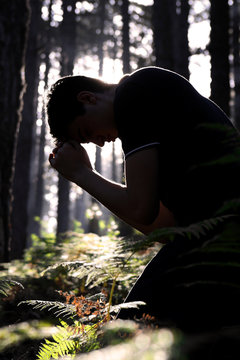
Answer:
(136, 202)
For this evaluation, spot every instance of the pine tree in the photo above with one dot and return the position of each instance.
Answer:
(236, 61)
(219, 52)
(68, 37)
(13, 33)
(21, 184)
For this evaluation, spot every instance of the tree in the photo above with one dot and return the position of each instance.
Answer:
(14, 22)
(125, 36)
(170, 35)
(101, 13)
(21, 184)
(236, 60)
(68, 45)
(162, 33)
(37, 212)
(36, 201)
(180, 38)
(219, 51)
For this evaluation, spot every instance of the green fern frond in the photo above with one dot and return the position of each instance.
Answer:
(62, 345)
(95, 272)
(68, 265)
(65, 310)
(6, 285)
(69, 340)
(231, 206)
(216, 262)
(192, 231)
(127, 305)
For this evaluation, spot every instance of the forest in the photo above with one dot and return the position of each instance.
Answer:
(59, 247)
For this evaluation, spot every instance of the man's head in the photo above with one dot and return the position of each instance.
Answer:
(64, 104)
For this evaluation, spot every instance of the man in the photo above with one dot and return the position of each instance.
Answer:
(173, 140)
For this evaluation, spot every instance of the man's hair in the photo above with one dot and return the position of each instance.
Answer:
(62, 105)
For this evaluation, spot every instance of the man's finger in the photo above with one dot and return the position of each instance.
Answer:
(51, 158)
(59, 145)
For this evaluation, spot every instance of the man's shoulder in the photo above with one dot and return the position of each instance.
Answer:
(139, 80)
(152, 77)
(148, 72)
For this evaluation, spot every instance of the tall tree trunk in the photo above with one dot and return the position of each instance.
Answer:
(39, 194)
(63, 205)
(80, 206)
(180, 38)
(125, 36)
(21, 183)
(124, 228)
(93, 222)
(162, 32)
(114, 165)
(170, 35)
(236, 61)
(13, 38)
(219, 51)
(68, 37)
(36, 198)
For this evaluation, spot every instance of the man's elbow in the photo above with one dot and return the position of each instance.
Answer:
(159, 217)
(144, 216)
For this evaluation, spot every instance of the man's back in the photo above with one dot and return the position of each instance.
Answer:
(157, 107)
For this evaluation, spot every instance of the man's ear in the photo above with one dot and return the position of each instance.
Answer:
(86, 97)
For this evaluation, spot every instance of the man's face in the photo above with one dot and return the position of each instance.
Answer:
(89, 128)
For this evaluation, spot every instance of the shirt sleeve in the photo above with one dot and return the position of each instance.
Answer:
(137, 123)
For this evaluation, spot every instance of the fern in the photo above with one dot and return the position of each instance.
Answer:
(62, 345)
(126, 305)
(111, 266)
(191, 232)
(69, 265)
(6, 285)
(61, 309)
(70, 339)
(70, 310)
(211, 263)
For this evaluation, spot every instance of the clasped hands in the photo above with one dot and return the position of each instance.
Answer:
(70, 159)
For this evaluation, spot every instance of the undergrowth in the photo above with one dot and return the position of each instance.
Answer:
(93, 274)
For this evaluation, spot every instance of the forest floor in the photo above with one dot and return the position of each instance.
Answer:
(72, 280)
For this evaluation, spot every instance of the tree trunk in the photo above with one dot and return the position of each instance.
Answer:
(13, 35)
(219, 51)
(124, 228)
(181, 49)
(63, 205)
(170, 35)
(236, 62)
(68, 37)
(36, 198)
(21, 184)
(114, 165)
(95, 205)
(125, 36)
(162, 33)
(39, 195)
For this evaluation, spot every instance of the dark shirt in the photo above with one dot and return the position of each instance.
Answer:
(157, 107)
